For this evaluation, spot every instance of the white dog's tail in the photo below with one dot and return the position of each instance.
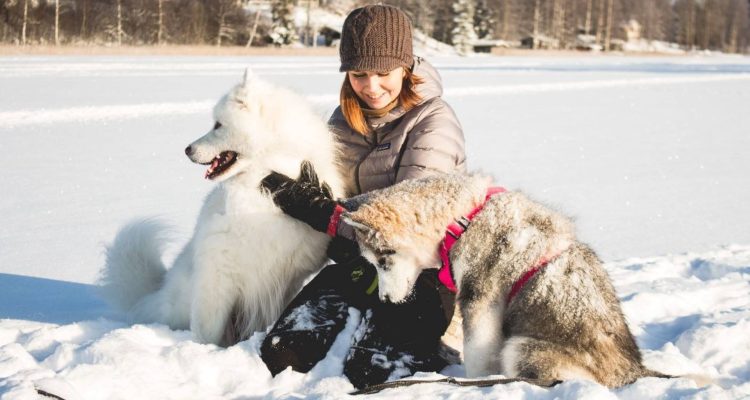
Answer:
(133, 268)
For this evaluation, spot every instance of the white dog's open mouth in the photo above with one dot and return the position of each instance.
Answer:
(220, 164)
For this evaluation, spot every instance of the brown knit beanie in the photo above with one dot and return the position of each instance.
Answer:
(376, 38)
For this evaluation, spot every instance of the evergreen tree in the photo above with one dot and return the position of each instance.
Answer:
(283, 31)
(463, 34)
(483, 20)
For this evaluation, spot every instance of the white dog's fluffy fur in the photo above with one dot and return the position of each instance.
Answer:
(246, 259)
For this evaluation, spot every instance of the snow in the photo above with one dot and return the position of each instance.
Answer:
(649, 155)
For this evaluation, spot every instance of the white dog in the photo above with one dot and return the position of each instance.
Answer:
(246, 259)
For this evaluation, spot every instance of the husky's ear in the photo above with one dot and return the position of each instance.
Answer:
(364, 230)
(367, 235)
(347, 218)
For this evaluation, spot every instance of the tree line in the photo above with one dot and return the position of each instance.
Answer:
(722, 25)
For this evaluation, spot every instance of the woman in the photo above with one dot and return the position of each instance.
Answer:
(392, 125)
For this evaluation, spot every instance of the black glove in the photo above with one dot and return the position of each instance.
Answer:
(305, 198)
(342, 250)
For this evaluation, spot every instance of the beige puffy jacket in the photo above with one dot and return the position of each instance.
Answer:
(425, 140)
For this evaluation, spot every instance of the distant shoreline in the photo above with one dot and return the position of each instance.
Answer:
(207, 50)
(168, 50)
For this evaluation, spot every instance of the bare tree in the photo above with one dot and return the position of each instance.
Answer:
(587, 24)
(600, 23)
(119, 23)
(558, 20)
(508, 19)
(84, 17)
(537, 23)
(610, 22)
(57, 22)
(160, 22)
(25, 21)
(738, 26)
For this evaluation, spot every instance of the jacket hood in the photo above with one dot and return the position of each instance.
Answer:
(433, 84)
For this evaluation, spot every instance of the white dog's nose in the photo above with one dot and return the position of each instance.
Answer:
(189, 151)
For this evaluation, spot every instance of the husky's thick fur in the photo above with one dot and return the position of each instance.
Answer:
(246, 259)
(565, 323)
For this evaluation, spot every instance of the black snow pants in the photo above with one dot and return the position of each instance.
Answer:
(392, 340)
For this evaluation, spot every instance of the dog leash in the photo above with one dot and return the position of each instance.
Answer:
(453, 381)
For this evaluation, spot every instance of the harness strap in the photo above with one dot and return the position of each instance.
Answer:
(452, 233)
(525, 278)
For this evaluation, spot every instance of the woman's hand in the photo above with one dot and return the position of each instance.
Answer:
(304, 198)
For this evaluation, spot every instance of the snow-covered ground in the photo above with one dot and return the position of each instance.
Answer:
(648, 154)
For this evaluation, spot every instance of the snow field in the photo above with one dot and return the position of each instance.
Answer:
(647, 154)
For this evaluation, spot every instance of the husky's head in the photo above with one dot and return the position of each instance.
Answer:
(399, 229)
(237, 133)
(396, 258)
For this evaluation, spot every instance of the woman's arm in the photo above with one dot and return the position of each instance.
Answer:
(304, 198)
(310, 201)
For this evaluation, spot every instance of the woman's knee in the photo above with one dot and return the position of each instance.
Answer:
(279, 353)
(303, 334)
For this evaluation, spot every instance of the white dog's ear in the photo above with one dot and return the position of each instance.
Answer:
(247, 78)
(242, 91)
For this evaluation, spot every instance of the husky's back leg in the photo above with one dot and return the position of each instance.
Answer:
(529, 358)
(133, 267)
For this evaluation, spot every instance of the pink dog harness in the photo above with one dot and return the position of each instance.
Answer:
(454, 231)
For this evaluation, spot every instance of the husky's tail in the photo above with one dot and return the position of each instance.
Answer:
(133, 267)
(700, 380)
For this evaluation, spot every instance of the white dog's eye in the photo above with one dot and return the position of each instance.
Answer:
(217, 125)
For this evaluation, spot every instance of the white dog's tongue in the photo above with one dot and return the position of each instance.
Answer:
(214, 164)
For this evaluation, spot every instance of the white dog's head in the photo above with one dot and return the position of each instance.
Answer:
(399, 229)
(239, 129)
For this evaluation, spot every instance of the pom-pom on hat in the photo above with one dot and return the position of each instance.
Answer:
(376, 38)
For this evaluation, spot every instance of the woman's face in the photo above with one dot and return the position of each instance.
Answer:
(377, 89)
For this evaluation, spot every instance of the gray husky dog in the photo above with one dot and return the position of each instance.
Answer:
(536, 303)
